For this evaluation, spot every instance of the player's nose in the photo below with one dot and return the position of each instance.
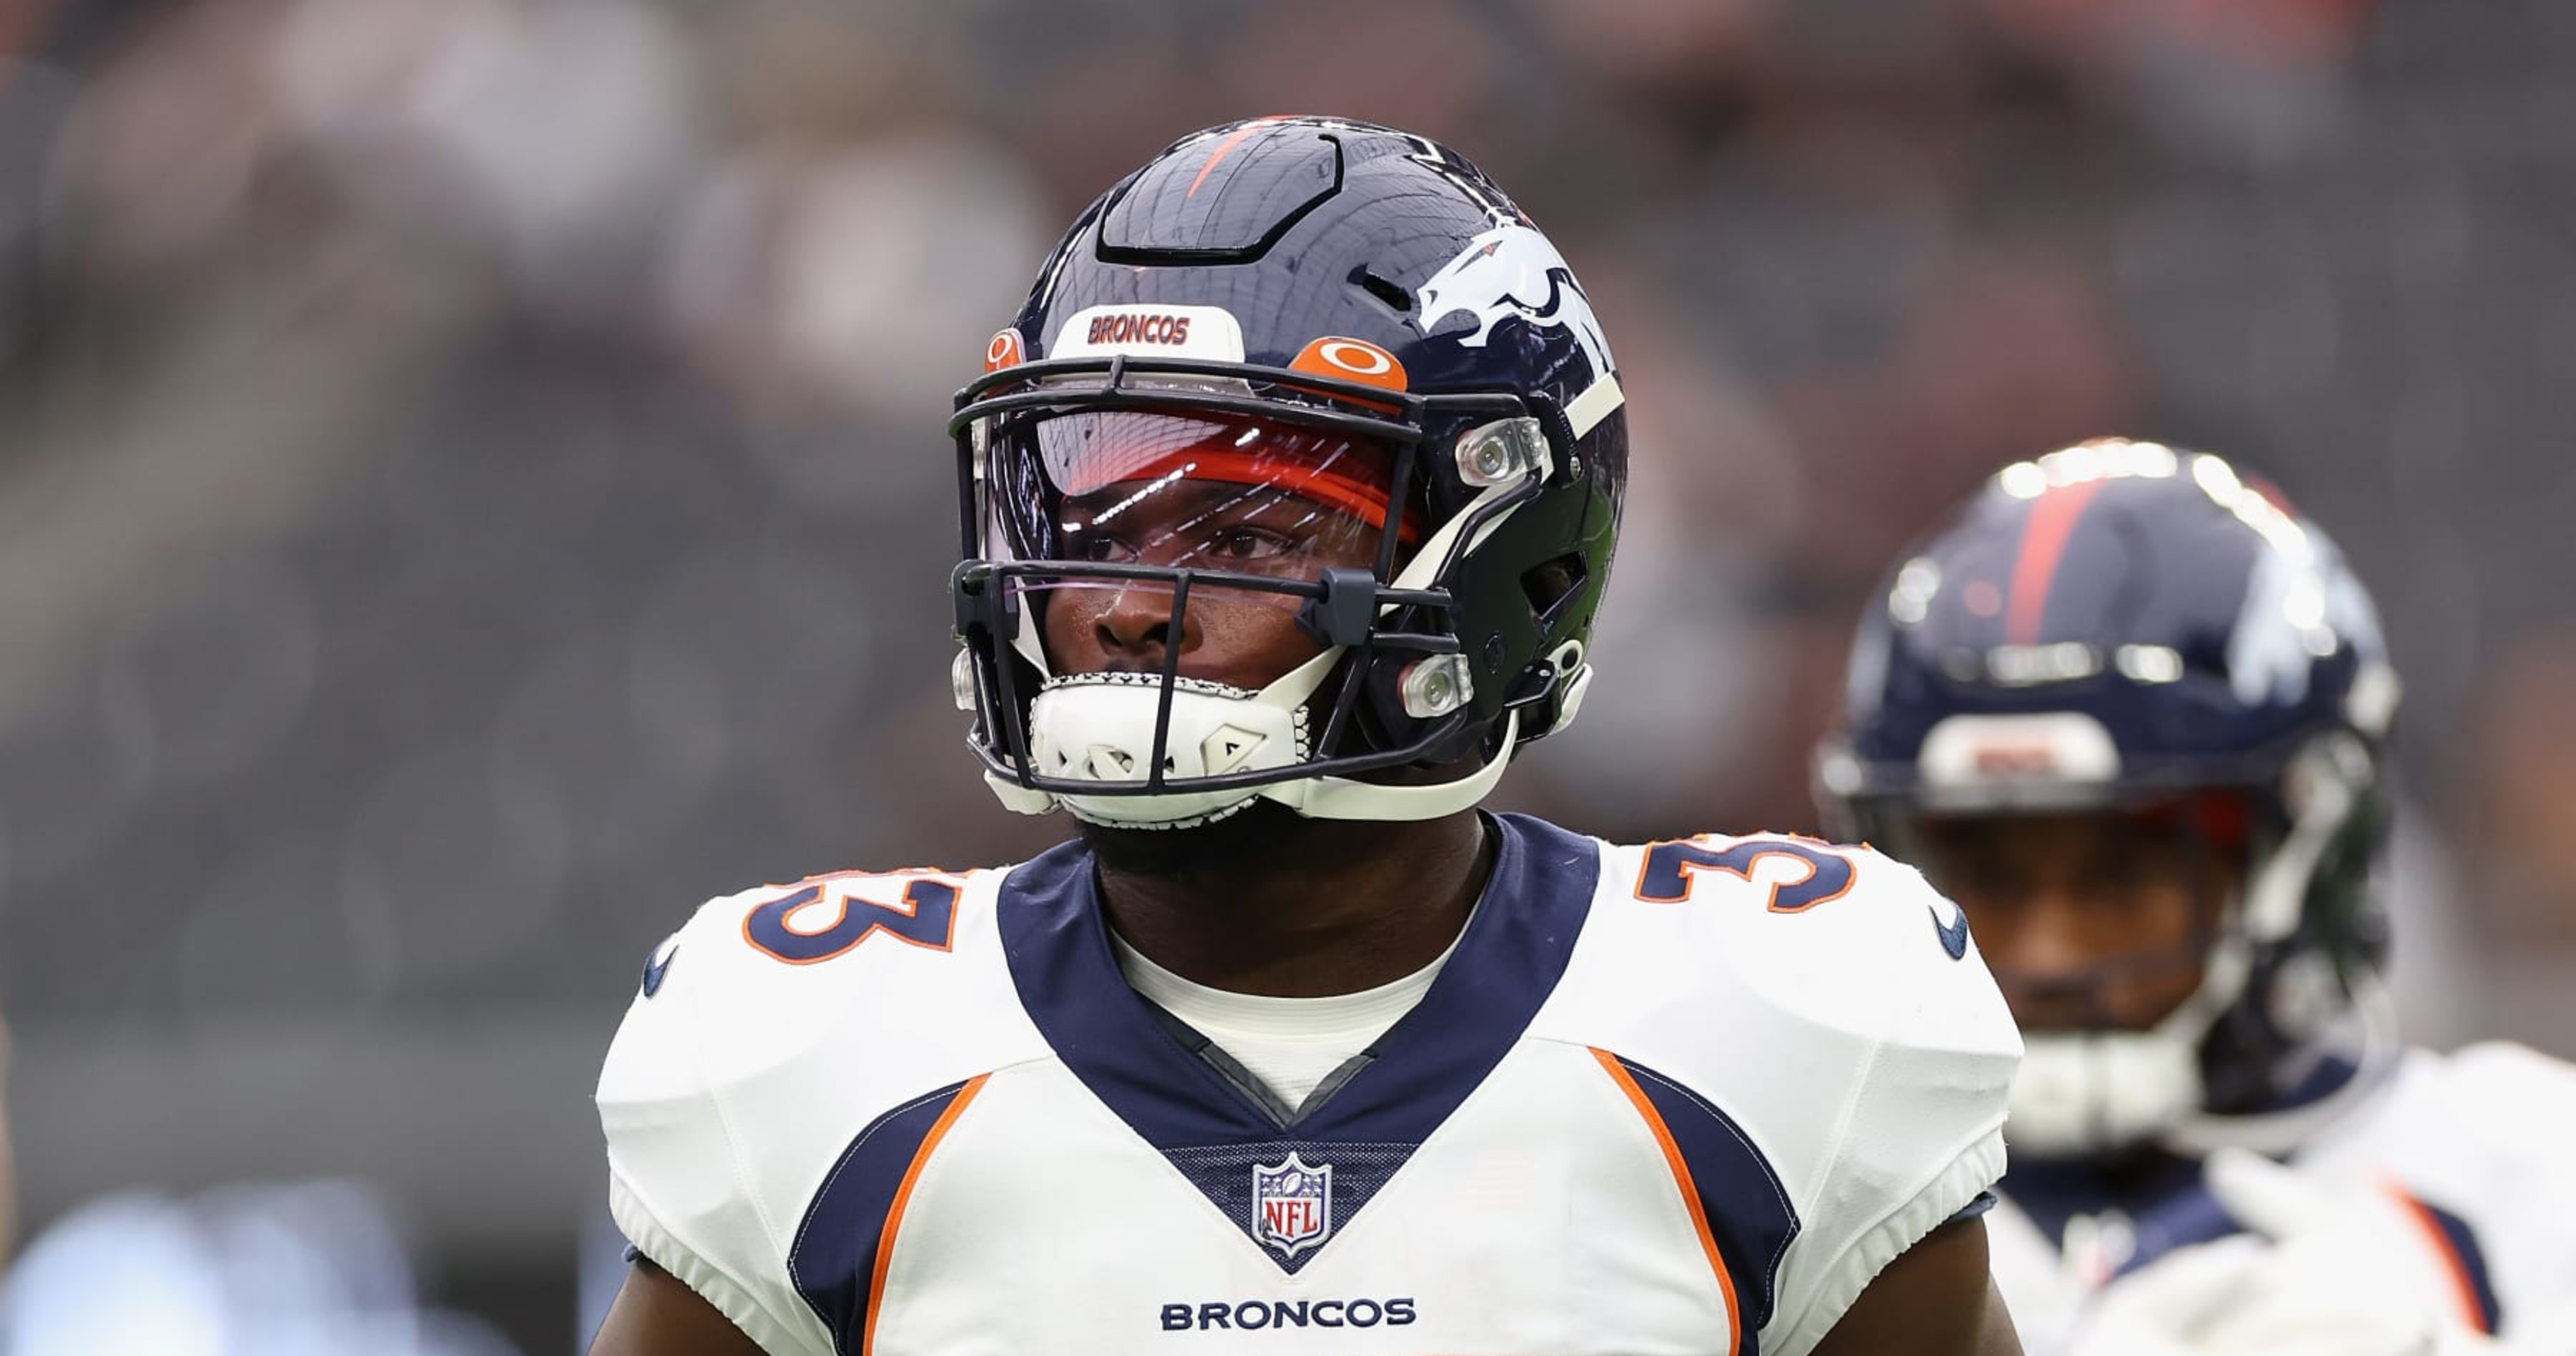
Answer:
(1134, 630)
(2046, 935)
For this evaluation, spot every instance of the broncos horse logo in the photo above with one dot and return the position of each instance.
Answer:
(1512, 270)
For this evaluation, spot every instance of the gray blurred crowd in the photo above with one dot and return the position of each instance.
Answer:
(472, 481)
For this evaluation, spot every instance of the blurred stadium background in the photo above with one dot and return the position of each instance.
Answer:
(471, 486)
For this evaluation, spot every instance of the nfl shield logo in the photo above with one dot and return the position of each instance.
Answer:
(1292, 1204)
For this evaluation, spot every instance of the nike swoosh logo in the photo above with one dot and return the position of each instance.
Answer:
(656, 964)
(1954, 936)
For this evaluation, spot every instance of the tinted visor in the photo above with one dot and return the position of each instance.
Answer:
(1184, 490)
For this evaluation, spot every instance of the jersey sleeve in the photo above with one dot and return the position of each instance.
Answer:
(679, 1184)
(2475, 1143)
(1929, 1050)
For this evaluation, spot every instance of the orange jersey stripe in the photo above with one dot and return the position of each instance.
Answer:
(1690, 1191)
(2463, 1290)
(902, 1196)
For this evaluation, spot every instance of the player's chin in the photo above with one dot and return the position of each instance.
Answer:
(1262, 836)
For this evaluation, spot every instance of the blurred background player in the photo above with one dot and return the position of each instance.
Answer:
(1288, 499)
(2132, 713)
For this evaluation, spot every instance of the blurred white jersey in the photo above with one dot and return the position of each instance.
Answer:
(2474, 1145)
(1687, 1097)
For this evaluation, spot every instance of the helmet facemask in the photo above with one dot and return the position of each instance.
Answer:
(2275, 997)
(1195, 500)
(2133, 904)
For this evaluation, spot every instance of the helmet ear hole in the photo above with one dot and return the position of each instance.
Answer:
(1551, 584)
(1388, 292)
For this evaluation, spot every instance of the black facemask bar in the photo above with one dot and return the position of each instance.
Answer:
(1342, 607)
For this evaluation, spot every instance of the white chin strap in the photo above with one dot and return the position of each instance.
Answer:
(2079, 1094)
(1100, 727)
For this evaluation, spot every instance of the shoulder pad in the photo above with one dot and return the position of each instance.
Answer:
(1841, 936)
(1835, 1007)
(768, 1031)
(753, 978)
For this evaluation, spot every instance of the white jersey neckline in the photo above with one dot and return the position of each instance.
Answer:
(1290, 1044)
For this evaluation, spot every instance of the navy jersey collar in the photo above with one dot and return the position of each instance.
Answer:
(1514, 950)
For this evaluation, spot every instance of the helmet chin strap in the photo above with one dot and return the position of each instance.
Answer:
(1101, 726)
(1342, 798)
(2081, 1094)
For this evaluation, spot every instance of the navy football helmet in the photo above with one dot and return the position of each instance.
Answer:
(1301, 309)
(2120, 625)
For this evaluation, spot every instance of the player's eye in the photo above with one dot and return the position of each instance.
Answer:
(1975, 867)
(2139, 861)
(1096, 547)
(1249, 543)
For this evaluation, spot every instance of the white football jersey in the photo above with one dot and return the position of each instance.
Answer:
(1687, 1097)
(2475, 1144)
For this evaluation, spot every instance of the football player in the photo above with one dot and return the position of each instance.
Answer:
(1287, 502)
(2131, 712)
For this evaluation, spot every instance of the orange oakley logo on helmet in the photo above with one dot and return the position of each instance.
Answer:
(1005, 350)
(1350, 360)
